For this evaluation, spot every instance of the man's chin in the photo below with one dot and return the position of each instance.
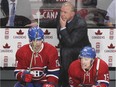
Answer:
(85, 68)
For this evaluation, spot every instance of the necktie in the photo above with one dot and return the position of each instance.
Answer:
(12, 15)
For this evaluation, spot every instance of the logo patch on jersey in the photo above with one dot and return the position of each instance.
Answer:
(57, 63)
(37, 72)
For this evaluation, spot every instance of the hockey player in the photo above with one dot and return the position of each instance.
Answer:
(88, 71)
(37, 62)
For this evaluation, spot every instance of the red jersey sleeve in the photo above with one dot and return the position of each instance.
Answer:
(20, 60)
(53, 65)
(21, 63)
(103, 74)
(73, 72)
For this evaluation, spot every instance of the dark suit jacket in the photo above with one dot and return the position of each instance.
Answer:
(20, 20)
(75, 33)
(73, 38)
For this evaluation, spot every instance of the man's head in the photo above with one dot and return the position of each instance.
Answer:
(67, 11)
(36, 36)
(87, 56)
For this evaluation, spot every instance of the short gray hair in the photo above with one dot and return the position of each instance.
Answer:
(69, 4)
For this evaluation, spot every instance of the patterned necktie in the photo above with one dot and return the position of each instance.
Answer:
(12, 15)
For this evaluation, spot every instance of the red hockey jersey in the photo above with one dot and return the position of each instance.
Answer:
(45, 64)
(79, 77)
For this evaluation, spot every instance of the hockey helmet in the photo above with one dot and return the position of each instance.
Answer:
(35, 33)
(87, 52)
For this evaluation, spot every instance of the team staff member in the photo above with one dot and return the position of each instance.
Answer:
(16, 13)
(72, 35)
(38, 64)
(88, 71)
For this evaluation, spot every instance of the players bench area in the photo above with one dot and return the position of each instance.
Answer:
(7, 78)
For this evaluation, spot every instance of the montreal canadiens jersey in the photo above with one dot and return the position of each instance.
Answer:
(79, 77)
(45, 64)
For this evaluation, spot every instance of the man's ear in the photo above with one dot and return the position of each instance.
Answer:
(73, 13)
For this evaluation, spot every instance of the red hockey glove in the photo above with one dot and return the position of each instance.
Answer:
(26, 76)
(48, 85)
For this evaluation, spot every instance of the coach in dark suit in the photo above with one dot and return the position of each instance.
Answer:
(23, 15)
(72, 35)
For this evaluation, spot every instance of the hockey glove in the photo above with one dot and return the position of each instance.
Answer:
(48, 85)
(26, 76)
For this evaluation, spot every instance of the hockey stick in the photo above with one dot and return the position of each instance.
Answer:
(31, 62)
(34, 50)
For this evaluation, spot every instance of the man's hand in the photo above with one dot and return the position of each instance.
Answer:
(62, 22)
(48, 85)
(26, 76)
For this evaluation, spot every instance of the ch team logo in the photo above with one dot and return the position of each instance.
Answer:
(37, 73)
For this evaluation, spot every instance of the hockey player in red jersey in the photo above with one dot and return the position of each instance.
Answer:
(37, 62)
(88, 71)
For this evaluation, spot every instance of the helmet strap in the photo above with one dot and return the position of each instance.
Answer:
(91, 63)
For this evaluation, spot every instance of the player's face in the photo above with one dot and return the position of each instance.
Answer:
(66, 13)
(36, 44)
(85, 63)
